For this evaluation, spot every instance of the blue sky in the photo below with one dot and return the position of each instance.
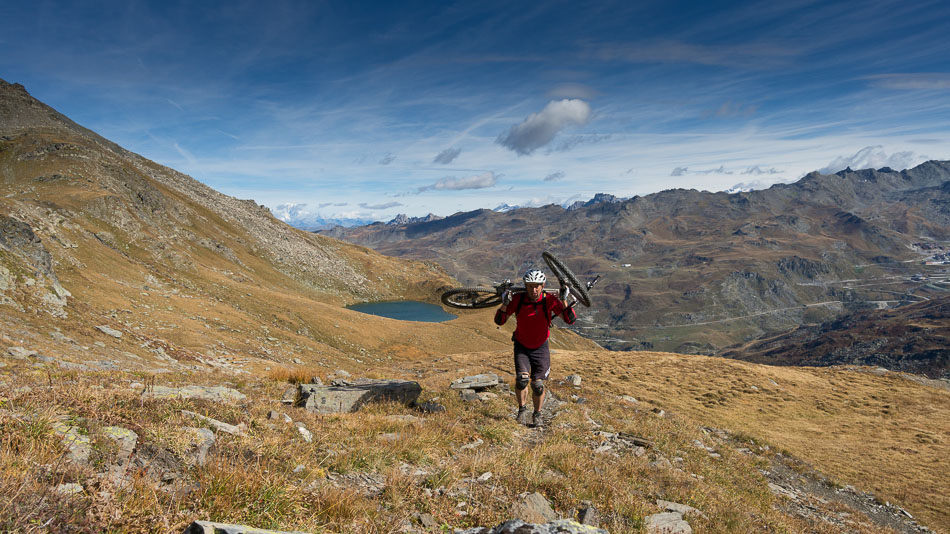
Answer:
(369, 109)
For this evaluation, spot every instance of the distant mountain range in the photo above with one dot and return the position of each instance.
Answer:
(690, 271)
(298, 216)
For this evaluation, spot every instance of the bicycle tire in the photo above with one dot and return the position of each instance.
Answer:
(564, 274)
(470, 298)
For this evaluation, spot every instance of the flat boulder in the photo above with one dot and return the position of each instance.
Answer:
(534, 508)
(74, 439)
(20, 353)
(211, 393)
(518, 526)
(667, 523)
(109, 331)
(346, 397)
(215, 424)
(476, 382)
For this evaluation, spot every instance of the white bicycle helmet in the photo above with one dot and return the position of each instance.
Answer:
(534, 276)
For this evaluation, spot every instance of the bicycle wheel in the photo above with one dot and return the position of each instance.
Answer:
(471, 297)
(565, 275)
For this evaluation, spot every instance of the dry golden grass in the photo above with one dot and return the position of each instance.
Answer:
(884, 434)
(420, 463)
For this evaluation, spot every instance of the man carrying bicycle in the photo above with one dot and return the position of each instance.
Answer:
(533, 310)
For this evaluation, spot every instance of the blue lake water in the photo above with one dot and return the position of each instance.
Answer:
(405, 310)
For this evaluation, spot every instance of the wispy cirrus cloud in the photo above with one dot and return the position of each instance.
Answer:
(387, 159)
(573, 90)
(539, 129)
(555, 176)
(447, 156)
(918, 81)
(731, 109)
(754, 55)
(478, 181)
(577, 140)
(385, 206)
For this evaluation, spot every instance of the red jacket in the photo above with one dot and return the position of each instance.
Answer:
(533, 328)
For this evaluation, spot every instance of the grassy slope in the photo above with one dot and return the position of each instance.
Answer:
(884, 433)
(421, 466)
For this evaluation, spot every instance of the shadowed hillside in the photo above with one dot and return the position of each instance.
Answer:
(913, 338)
(696, 272)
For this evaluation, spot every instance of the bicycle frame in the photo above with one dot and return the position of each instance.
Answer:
(485, 297)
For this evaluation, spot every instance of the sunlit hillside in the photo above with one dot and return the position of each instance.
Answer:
(152, 328)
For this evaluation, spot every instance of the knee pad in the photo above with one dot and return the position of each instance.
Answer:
(537, 386)
(521, 382)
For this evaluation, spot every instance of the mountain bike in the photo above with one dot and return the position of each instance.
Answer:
(486, 297)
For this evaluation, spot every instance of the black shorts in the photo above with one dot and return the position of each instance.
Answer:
(536, 362)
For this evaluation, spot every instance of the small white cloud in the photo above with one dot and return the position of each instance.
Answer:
(554, 176)
(287, 212)
(874, 157)
(385, 206)
(451, 183)
(679, 171)
(447, 156)
(540, 128)
(387, 159)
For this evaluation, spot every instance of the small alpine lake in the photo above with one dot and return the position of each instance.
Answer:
(404, 310)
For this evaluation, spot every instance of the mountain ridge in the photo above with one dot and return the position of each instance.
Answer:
(740, 265)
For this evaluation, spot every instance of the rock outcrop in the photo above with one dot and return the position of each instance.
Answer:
(344, 397)
(558, 526)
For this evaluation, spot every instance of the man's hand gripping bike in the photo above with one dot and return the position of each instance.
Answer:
(486, 297)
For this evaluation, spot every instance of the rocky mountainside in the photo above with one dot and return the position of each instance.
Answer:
(695, 272)
(94, 235)
(914, 338)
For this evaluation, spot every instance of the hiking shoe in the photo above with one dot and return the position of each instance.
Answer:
(523, 415)
(536, 419)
